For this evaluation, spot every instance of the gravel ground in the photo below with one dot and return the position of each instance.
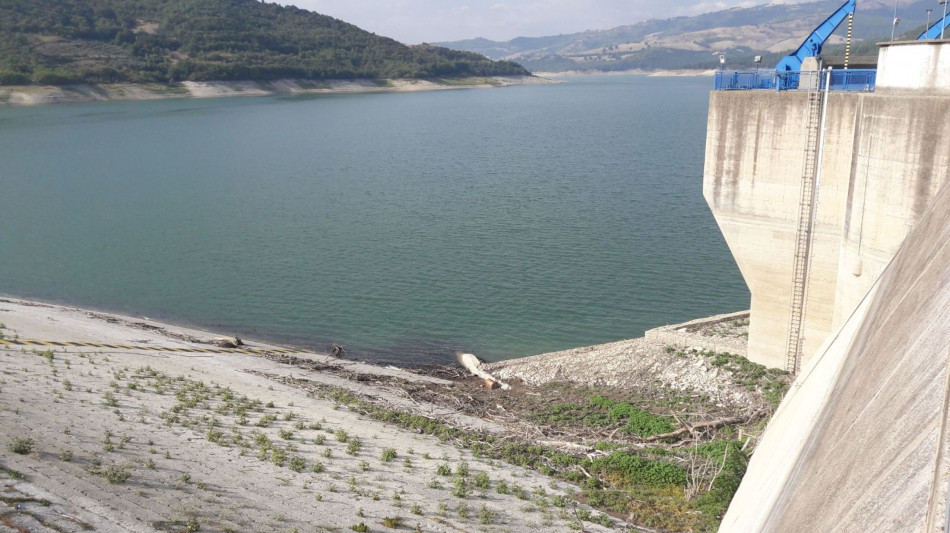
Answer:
(630, 363)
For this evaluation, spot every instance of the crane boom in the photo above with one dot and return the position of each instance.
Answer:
(934, 31)
(811, 47)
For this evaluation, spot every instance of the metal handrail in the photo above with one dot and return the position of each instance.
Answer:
(750, 80)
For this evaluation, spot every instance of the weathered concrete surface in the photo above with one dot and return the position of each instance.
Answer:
(860, 442)
(914, 65)
(884, 158)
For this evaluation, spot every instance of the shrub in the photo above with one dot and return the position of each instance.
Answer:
(625, 470)
(297, 463)
(481, 480)
(279, 456)
(116, 474)
(486, 515)
(20, 445)
(392, 522)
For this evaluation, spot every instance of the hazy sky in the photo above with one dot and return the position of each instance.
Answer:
(416, 21)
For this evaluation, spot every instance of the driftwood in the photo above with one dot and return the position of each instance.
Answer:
(473, 365)
(227, 342)
(718, 423)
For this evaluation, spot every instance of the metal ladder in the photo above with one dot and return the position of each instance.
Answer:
(806, 217)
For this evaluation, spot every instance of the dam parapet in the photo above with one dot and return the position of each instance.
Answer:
(862, 165)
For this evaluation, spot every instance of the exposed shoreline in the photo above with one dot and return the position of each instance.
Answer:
(662, 73)
(46, 94)
(92, 439)
(95, 395)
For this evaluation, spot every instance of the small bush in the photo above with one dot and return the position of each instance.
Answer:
(481, 480)
(116, 474)
(388, 455)
(108, 399)
(297, 463)
(392, 522)
(486, 515)
(279, 456)
(20, 445)
(461, 488)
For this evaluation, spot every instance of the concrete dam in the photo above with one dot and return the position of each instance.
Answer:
(836, 207)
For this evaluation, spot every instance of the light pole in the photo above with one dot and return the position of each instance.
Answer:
(927, 27)
(943, 23)
(896, 20)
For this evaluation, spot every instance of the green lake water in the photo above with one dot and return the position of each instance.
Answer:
(505, 222)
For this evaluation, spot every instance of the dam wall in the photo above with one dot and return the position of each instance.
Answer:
(861, 442)
(881, 159)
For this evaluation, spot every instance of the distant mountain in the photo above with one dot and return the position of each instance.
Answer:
(696, 42)
(101, 41)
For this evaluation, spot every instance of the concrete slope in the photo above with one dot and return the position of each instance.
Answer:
(860, 443)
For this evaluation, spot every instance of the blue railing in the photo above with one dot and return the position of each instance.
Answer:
(851, 80)
(750, 80)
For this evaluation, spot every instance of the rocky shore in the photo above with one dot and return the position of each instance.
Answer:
(43, 95)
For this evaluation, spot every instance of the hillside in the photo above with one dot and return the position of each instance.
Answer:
(104, 41)
(696, 42)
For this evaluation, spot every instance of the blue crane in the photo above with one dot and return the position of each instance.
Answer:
(811, 47)
(934, 31)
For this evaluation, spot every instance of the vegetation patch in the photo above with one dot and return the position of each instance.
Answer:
(20, 445)
(603, 412)
(670, 489)
(97, 41)
(772, 382)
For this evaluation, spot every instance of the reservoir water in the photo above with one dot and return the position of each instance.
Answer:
(506, 222)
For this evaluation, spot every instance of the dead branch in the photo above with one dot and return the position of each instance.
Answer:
(721, 468)
(712, 424)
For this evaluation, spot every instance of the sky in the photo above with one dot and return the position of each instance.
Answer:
(418, 21)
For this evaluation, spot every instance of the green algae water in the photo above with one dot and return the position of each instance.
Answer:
(505, 222)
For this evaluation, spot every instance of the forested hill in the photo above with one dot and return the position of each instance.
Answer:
(104, 41)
